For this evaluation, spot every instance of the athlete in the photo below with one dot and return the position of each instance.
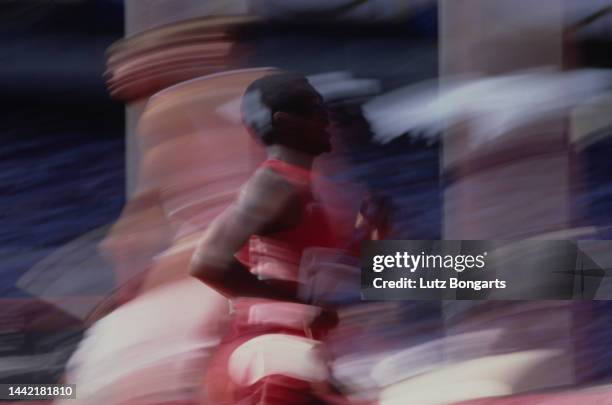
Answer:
(251, 253)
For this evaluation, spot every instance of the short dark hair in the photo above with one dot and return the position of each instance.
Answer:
(282, 91)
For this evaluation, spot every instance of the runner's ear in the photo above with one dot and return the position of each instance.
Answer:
(282, 120)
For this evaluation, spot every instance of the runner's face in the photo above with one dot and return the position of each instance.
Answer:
(314, 122)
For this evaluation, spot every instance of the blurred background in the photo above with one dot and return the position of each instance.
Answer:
(63, 161)
(474, 119)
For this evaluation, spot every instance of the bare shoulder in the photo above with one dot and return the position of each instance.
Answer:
(266, 178)
(267, 191)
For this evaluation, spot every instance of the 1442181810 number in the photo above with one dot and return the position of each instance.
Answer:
(37, 391)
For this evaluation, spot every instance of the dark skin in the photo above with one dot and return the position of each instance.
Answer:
(268, 203)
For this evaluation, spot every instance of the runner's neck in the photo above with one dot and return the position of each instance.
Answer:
(289, 155)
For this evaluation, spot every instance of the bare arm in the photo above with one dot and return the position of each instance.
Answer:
(261, 206)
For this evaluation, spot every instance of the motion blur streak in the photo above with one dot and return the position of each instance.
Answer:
(459, 120)
(491, 106)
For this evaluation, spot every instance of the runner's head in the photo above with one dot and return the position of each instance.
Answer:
(283, 108)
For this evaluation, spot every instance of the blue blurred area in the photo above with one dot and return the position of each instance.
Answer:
(61, 164)
(56, 187)
(595, 194)
(62, 152)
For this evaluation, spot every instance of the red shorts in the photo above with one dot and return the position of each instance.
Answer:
(271, 356)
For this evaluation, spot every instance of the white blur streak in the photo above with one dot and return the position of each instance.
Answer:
(155, 346)
(488, 376)
(375, 370)
(432, 355)
(341, 85)
(231, 110)
(494, 105)
(259, 358)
